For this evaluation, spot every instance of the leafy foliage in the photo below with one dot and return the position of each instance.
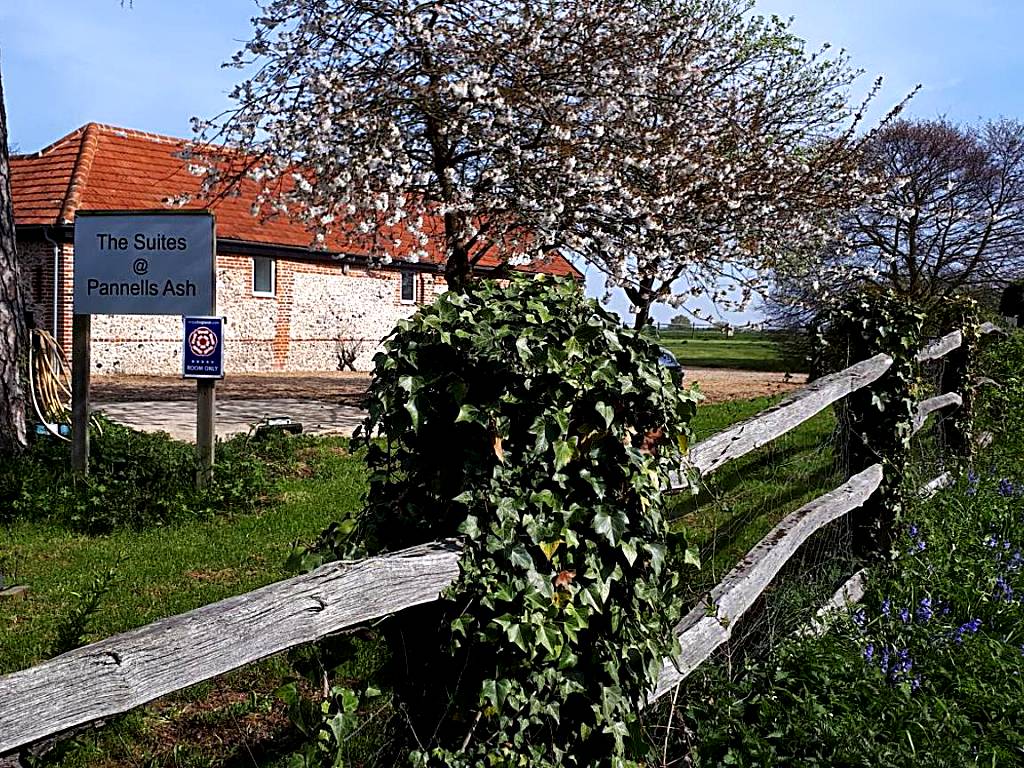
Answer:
(1001, 404)
(929, 671)
(525, 418)
(72, 628)
(877, 421)
(136, 479)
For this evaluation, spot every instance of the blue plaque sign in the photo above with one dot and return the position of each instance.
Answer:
(202, 355)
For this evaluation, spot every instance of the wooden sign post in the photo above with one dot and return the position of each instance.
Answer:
(81, 368)
(140, 263)
(202, 359)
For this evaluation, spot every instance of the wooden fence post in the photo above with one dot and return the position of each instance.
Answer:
(876, 423)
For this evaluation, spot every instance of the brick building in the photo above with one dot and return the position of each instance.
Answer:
(288, 306)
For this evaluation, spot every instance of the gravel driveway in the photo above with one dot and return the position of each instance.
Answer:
(325, 402)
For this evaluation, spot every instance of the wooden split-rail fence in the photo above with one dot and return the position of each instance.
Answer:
(125, 671)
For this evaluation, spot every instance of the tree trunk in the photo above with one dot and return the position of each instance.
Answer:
(643, 314)
(457, 268)
(642, 297)
(13, 335)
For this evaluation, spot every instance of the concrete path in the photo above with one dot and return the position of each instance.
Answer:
(178, 417)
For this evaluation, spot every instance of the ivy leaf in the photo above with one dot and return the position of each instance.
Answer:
(684, 442)
(564, 452)
(606, 412)
(550, 638)
(468, 413)
(470, 527)
(611, 526)
(550, 547)
(521, 558)
(629, 550)
(692, 557)
(499, 451)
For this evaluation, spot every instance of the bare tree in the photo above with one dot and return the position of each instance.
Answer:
(13, 333)
(952, 217)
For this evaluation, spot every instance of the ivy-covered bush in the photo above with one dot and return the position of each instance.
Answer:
(876, 422)
(525, 418)
(1000, 403)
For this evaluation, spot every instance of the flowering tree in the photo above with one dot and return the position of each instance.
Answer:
(657, 138)
(742, 168)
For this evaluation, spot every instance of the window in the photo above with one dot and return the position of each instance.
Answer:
(408, 287)
(263, 274)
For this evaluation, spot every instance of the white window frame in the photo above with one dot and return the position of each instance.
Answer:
(272, 293)
(401, 286)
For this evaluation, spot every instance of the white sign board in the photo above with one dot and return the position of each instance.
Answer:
(144, 263)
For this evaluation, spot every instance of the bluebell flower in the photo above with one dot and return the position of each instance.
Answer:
(886, 607)
(915, 683)
(905, 615)
(869, 651)
(924, 609)
(885, 660)
(991, 542)
(972, 483)
(860, 618)
(913, 530)
(968, 628)
(1005, 487)
(1003, 589)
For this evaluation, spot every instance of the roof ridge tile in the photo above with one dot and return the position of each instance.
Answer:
(80, 172)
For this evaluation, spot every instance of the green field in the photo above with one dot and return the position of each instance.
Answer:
(746, 351)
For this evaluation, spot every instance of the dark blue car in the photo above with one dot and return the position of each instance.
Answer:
(667, 360)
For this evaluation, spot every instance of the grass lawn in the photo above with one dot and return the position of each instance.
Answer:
(168, 570)
(741, 502)
(751, 352)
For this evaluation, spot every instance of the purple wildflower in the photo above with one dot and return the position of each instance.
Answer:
(1005, 487)
(886, 606)
(968, 628)
(972, 483)
(860, 618)
(1003, 589)
(924, 609)
(905, 615)
(869, 651)
(915, 683)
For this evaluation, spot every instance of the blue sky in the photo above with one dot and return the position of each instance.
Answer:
(153, 67)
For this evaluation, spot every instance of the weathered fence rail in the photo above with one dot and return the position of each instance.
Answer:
(711, 622)
(793, 411)
(125, 671)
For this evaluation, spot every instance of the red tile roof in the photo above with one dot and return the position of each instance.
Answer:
(103, 167)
